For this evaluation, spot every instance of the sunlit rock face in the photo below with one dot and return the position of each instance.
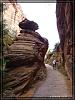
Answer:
(26, 60)
(12, 15)
(64, 14)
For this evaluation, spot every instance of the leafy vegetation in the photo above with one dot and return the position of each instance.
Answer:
(56, 54)
(56, 47)
(6, 37)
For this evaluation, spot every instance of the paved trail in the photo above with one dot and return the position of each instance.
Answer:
(54, 85)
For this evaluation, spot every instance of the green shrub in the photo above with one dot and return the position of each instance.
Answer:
(3, 64)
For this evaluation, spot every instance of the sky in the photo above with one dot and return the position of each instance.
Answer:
(44, 14)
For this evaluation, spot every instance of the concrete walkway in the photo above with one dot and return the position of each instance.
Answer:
(53, 86)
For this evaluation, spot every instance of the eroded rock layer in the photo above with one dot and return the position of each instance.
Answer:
(26, 62)
(27, 48)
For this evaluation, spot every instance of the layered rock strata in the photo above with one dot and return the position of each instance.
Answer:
(26, 62)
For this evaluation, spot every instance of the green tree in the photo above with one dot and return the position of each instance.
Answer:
(6, 38)
(56, 47)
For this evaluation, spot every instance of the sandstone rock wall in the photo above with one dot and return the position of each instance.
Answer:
(64, 14)
(13, 15)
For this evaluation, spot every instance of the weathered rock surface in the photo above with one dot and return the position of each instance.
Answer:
(64, 14)
(26, 62)
(13, 15)
(19, 80)
(27, 48)
(27, 24)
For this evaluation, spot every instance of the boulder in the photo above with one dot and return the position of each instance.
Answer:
(28, 25)
(26, 49)
(26, 62)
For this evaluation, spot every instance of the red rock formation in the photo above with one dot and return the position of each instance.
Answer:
(26, 62)
(26, 55)
(64, 14)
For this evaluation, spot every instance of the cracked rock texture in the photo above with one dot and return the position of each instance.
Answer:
(26, 62)
(64, 14)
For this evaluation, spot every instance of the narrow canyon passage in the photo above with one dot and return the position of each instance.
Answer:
(35, 41)
(54, 85)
